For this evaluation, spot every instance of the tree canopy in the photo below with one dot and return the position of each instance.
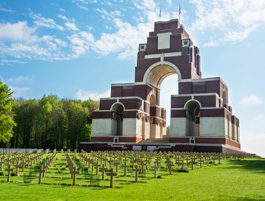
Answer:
(6, 115)
(51, 123)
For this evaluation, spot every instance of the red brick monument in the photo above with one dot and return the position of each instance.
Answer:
(132, 119)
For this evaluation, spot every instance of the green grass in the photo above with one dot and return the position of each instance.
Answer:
(232, 180)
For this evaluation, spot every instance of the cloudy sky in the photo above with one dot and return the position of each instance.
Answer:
(76, 49)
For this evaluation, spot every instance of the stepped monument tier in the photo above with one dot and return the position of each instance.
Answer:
(201, 117)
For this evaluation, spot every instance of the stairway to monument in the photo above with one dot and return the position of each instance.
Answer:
(165, 139)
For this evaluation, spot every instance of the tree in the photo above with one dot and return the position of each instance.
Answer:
(168, 130)
(6, 115)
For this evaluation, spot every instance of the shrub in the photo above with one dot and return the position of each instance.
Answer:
(13, 174)
(2, 173)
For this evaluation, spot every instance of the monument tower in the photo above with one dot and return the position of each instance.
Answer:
(201, 119)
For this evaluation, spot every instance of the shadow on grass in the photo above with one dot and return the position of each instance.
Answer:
(257, 165)
(245, 199)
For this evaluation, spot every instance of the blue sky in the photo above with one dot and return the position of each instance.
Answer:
(76, 49)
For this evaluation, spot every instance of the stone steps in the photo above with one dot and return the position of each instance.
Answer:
(162, 140)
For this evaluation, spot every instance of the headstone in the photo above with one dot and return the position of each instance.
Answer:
(169, 165)
(117, 163)
(125, 166)
(103, 169)
(74, 172)
(136, 169)
(41, 171)
(17, 168)
(9, 169)
(61, 150)
(2, 162)
(155, 168)
(208, 159)
(111, 174)
(54, 151)
(68, 150)
(137, 148)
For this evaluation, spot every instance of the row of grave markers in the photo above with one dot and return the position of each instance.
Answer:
(111, 161)
(34, 150)
(26, 160)
(44, 168)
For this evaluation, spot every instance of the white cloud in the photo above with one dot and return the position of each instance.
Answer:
(16, 31)
(20, 78)
(169, 2)
(61, 42)
(85, 95)
(81, 43)
(10, 62)
(18, 92)
(81, 4)
(228, 21)
(124, 40)
(7, 10)
(250, 100)
(18, 40)
(109, 15)
(61, 9)
(71, 26)
(145, 5)
(253, 142)
(63, 17)
(44, 22)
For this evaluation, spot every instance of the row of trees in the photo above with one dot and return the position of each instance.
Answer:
(46, 123)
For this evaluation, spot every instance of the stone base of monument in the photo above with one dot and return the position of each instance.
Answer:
(182, 147)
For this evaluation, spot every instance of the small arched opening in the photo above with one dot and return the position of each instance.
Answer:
(193, 116)
(117, 116)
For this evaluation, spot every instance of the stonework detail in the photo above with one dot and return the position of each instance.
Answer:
(199, 113)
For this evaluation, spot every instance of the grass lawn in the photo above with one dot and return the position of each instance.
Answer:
(232, 180)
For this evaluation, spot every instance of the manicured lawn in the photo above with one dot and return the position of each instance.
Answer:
(232, 180)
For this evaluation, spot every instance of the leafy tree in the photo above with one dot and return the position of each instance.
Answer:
(6, 115)
(168, 130)
(52, 123)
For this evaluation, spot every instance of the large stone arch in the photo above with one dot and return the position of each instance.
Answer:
(158, 71)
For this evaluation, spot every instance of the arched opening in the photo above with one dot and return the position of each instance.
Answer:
(163, 77)
(168, 87)
(117, 117)
(193, 115)
(157, 72)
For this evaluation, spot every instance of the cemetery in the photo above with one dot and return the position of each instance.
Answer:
(106, 169)
(128, 154)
